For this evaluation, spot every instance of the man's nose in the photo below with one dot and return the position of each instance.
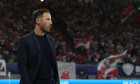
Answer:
(51, 22)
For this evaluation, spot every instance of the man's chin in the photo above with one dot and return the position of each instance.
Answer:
(47, 31)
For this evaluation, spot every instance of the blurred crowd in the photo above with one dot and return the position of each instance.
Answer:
(73, 20)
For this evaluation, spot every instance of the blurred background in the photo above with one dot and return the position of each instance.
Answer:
(85, 32)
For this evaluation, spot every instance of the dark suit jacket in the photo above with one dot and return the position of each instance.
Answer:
(29, 58)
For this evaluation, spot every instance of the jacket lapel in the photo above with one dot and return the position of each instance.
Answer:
(51, 45)
(39, 51)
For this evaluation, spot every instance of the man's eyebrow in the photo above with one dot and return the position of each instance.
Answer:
(48, 18)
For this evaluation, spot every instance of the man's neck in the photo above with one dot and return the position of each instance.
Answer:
(38, 31)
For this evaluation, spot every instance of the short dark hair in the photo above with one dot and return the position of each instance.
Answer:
(38, 13)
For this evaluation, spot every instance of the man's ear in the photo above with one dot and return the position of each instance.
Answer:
(38, 21)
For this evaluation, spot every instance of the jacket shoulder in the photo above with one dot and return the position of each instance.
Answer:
(50, 37)
(28, 36)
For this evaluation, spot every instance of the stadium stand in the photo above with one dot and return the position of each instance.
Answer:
(73, 20)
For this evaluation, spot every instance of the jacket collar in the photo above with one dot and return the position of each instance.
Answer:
(33, 34)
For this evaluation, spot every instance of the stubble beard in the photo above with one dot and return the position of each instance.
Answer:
(43, 29)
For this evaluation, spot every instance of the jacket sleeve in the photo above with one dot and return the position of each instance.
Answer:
(56, 74)
(22, 53)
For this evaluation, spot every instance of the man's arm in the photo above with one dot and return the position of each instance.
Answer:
(22, 53)
(56, 75)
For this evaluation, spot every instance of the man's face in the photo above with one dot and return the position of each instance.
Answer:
(45, 22)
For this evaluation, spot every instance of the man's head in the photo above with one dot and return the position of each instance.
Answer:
(42, 18)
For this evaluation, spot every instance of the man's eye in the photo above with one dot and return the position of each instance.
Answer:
(48, 19)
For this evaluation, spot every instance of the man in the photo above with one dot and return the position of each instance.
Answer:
(36, 53)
